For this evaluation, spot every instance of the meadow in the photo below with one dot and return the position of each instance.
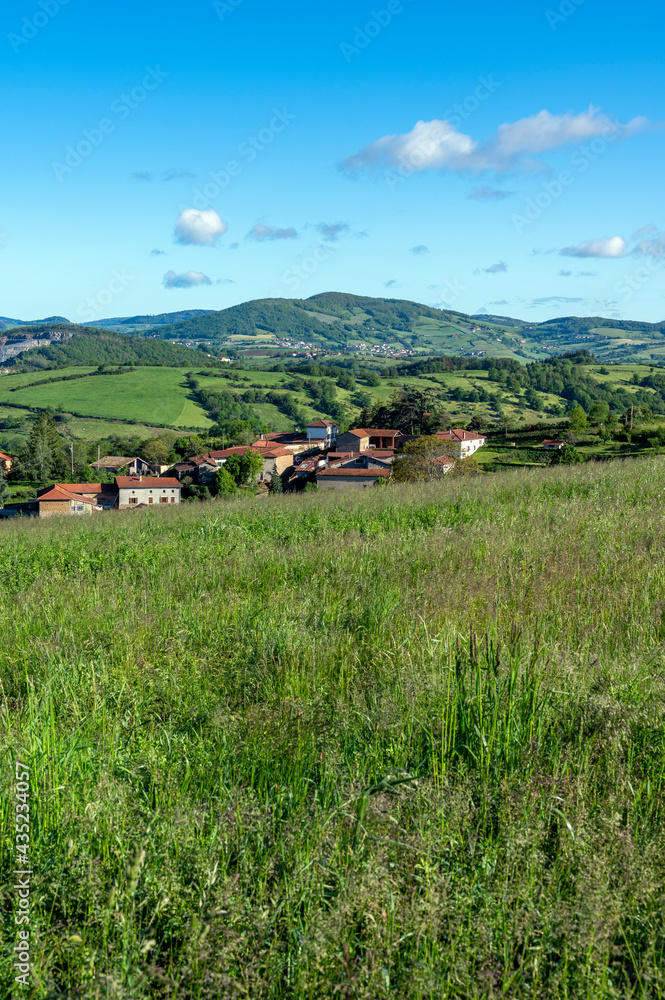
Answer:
(406, 743)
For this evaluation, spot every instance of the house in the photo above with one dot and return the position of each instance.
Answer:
(463, 443)
(134, 466)
(295, 443)
(361, 460)
(549, 445)
(6, 460)
(305, 471)
(148, 490)
(75, 498)
(334, 476)
(323, 433)
(363, 439)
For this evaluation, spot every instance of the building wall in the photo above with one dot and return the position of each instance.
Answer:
(346, 482)
(350, 442)
(47, 508)
(146, 495)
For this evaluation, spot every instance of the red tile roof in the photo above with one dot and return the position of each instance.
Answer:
(146, 483)
(335, 470)
(374, 432)
(322, 423)
(459, 435)
(61, 495)
(6, 457)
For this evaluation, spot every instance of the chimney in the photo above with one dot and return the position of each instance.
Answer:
(140, 479)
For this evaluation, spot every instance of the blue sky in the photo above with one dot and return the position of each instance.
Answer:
(163, 156)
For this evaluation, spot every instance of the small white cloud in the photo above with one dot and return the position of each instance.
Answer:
(391, 283)
(486, 193)
(141, 176)
(158, 253)
(564, 274)
(554, 300)
(331, 231)
(199, 228)
(420, 249)
(191, 279)
(233, 246)
(644, 231)
(494, 268)
(176, 174)
(437, 145)
(261, 232)
(609, 247)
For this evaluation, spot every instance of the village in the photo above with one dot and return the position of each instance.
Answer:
(321, 457)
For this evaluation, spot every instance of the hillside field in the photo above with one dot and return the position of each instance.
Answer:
(406, 743)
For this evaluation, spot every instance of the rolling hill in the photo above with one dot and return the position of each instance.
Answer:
(36, 347)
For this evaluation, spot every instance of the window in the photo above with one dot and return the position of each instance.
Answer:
(172, 499)
(163, 499)
(133, 499)
(150, 500)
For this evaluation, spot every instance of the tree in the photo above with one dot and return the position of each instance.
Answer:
(223, 483)
(577, 419)
(276, 484)
(4, 488)
(244, 468)
(372, 379)
(157, 452)
(598, 414)
(43, 454)
(426, 459)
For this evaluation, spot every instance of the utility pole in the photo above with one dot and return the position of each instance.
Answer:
(71, 448)
(631, 418)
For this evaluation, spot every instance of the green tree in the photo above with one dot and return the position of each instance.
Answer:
(598, 414)
(223, 483)
(276, 484)
(4, 488)
(427, 459)
(244, 468)
(577, 419)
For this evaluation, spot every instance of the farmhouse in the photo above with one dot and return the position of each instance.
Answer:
(6, 460)
(134, 490)
(550, 445)
(75, 498)
(134, 466)
(364, 439)
(463, 443)
(336, 476)
(323, 433)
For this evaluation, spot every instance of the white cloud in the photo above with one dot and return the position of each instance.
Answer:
(158, 253)
(610, 247)
(437, 145)
(189, 280)
(261, 232)
(493, 269)
(420, 249)
(559, 300)
(331, 231)
(199, 228)
(391, 283)
(141, 175)
(564, 274)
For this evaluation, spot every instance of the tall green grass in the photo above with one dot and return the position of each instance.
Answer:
(408, 743)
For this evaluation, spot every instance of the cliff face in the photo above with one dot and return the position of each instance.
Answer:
(14, 343)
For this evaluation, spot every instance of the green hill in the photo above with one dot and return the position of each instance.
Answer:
(74, 345)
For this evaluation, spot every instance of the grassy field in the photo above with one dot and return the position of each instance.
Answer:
(408, 743)
(153, 394)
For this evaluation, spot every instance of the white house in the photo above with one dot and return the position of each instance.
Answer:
(134, 490)
(464, 443)
(322, 432)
